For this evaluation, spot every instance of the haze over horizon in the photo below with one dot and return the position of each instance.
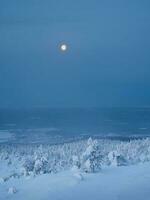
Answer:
(107, 62)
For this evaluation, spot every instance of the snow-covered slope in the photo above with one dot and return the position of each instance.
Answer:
(121, 183)
(99, 169)
(88, 155)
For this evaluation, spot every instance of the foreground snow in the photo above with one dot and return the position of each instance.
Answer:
(112, 183)
(88, 169)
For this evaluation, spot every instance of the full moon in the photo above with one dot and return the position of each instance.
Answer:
(63, 47)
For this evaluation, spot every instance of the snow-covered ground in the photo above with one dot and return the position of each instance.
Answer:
(121, 183)
(88, 169)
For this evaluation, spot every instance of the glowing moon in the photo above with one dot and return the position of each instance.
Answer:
(63, 47)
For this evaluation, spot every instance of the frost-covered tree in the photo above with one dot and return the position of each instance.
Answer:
(27, 166)
(75, 163)
(91, 158)
(76, 168)
(41, 165)
(116, 159)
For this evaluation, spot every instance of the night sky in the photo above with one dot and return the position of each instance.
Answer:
(107, 62)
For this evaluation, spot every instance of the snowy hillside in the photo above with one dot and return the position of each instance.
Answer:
(122, 183)
(71, 164)
(87, 155)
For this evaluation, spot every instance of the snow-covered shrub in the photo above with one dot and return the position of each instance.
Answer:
(41, 166)
(12, 190)
(38, 167)
(75, 163)
(27, 166)
(116, 159)
(91, 158)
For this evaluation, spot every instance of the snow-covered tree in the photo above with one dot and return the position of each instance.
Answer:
(76, 168)
(116, 159)
(91, 158)
(27, 166)
(75, 163)
(41, 165)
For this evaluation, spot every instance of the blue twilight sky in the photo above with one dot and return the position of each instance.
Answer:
(108, 57)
